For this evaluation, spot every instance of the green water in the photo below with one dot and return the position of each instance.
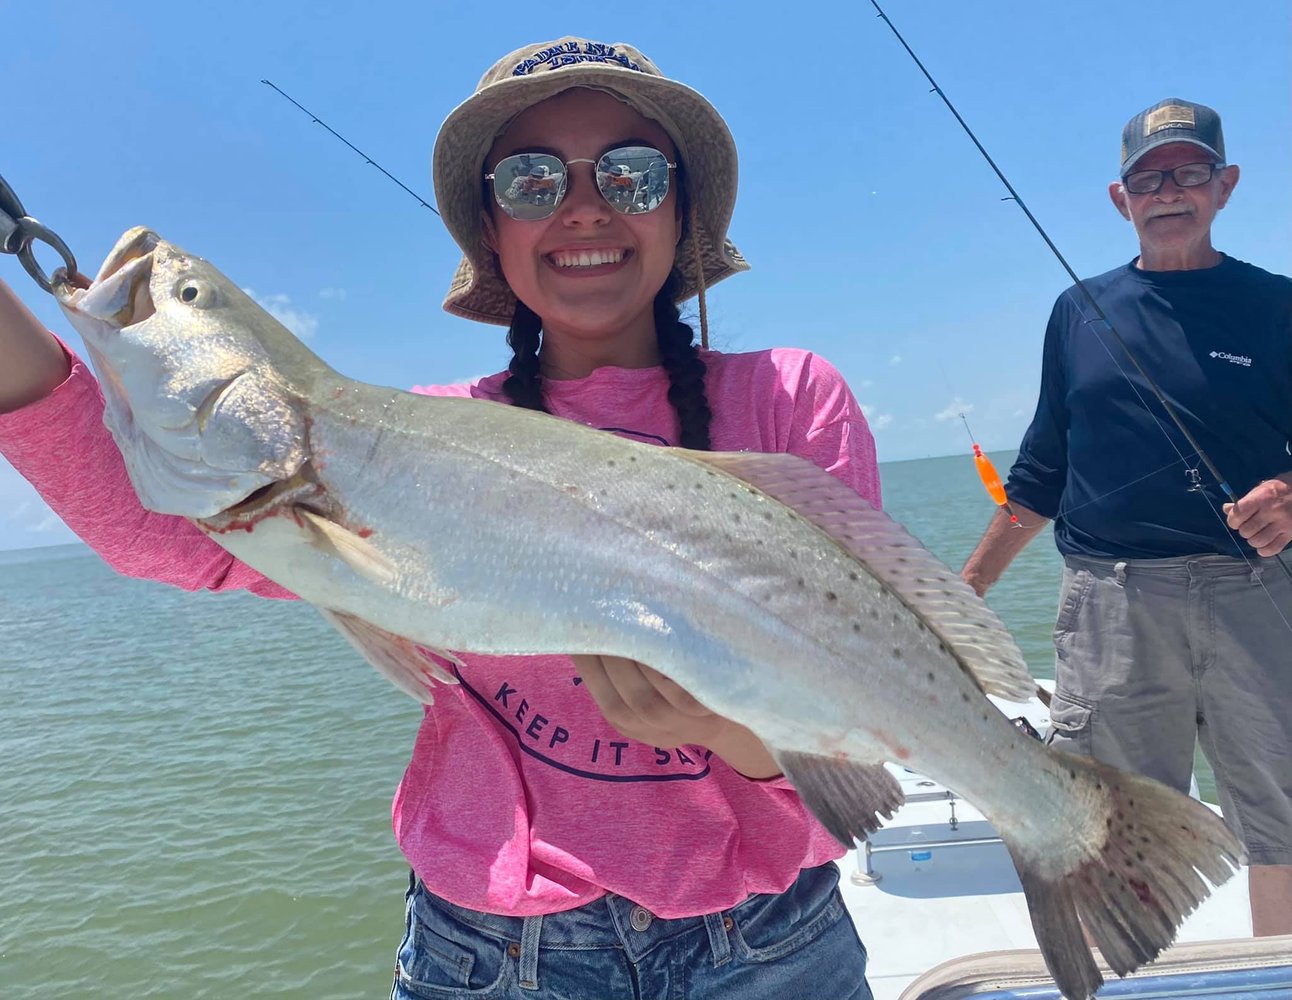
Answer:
(195, 788)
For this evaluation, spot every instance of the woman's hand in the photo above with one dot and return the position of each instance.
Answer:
(645, 705)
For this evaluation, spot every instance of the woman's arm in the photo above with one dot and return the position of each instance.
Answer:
(32, 362)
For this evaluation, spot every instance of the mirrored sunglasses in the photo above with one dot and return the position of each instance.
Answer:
(1187, 175)
(632, 179)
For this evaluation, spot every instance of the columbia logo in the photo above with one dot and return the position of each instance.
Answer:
(1236, 359)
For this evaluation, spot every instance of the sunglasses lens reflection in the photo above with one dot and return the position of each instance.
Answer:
(529, 186)
(632, 179)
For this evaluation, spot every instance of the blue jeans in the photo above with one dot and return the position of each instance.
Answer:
(796, 945)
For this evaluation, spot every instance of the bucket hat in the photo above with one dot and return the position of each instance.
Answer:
(521, 79)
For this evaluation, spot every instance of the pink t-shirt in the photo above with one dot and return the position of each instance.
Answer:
(520, 798)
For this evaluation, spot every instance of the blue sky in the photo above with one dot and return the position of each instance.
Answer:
(877, 233)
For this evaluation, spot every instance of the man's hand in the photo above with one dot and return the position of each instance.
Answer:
(645, 705)
(1264, 516)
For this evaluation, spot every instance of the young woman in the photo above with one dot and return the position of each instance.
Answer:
(575, 828)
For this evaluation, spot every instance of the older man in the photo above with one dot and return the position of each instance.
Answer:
(1175, 617)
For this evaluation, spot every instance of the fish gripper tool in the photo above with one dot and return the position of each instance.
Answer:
(19, 232)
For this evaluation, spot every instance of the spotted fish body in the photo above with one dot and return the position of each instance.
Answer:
(760, 584)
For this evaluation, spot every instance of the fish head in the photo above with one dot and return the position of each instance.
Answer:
(201, 411)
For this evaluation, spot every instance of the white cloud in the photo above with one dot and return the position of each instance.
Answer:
(332, 293)
(896, 359)
(25, 520)
(469, 380)
(50, 523)
(279, 306)
(866, 383)
(954, 409)
(877, 421)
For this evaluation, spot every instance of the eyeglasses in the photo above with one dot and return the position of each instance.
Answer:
(1188, 175)
(632, 179)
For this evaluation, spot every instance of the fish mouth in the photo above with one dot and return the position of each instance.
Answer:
(119, 295)
(302, 489)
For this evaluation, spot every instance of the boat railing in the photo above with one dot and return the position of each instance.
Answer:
(1234, 969)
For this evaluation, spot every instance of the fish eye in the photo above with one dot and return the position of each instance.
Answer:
(195, 292)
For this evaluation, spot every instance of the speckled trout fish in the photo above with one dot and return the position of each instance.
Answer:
(768, 590)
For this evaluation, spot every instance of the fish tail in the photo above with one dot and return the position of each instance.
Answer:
(1137, 882)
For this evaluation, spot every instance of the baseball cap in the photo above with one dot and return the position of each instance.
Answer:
(1171, 120)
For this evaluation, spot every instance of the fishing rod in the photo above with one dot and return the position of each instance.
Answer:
(368, 159)
(1015, 197)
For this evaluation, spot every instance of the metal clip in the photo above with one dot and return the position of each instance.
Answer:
(18, 231)
(1194, 478)
(11, 213)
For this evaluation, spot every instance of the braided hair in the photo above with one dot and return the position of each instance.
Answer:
(681, 359)
(524, 386)
(677, 351)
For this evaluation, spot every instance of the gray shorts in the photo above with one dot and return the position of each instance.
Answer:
(1153, 654)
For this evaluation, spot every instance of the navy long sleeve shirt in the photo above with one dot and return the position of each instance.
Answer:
(1102, 460)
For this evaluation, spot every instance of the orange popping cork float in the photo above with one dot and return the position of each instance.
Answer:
(990, 477)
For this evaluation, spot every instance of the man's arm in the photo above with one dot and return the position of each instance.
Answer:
(32, 363)
(999, 544)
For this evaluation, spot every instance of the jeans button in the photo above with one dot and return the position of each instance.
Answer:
(640, 918)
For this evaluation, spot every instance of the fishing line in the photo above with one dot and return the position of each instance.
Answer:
(368, 159)
(1130, 355)
(1124, 486)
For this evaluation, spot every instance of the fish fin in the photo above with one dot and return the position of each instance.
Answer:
(1135, 889)
(973, 633)
(400, 660)
(848, 798)
(442, 675)
(358, 553)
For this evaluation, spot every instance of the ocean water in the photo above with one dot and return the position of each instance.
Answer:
(195, 788)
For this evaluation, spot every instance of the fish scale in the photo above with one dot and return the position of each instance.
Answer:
(760, 584)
